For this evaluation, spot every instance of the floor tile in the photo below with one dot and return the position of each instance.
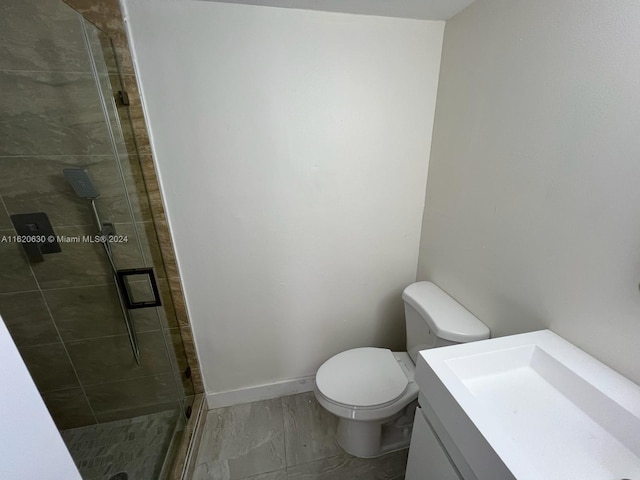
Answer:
(345, 467)
(277, 475)
(136, 446)
(242, 441)
(251, 442)
(310, 431)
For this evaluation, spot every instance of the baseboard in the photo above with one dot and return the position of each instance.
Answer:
(260, 392)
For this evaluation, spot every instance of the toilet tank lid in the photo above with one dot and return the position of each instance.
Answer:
(447, 318)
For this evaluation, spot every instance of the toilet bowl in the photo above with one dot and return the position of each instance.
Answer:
(368, 389)
(372, 390)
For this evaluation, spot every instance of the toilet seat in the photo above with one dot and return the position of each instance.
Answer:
(362, 378)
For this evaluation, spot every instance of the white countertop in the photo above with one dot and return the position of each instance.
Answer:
(546, 409)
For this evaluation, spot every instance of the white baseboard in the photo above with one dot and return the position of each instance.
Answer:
(260, 392)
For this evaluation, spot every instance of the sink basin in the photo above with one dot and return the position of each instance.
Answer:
(533, 406)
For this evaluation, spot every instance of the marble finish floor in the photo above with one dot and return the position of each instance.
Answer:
(136, 446)
(288, 438)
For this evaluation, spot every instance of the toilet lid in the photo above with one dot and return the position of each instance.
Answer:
(362, 377)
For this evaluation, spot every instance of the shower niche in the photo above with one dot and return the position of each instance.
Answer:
(92, 311)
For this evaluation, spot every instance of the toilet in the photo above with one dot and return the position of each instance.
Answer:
(372, 390)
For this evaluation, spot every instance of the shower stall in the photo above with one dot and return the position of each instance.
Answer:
(85, 289)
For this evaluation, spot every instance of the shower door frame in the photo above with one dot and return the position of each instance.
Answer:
(107, 16)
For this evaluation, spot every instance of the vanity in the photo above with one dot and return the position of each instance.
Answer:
(523, 407)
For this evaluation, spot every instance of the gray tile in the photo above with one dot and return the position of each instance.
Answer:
(126, 251)
(391, 466)
(51, 114)
(112, 203)
(88, 312)
(109, 359)
(139, 288)
(41, 36)
(277, 475)
(37, 184)
(211, 471)
(27, 318)
(128, 254)
(242, 441)
(136, 446)
(15, 274)
(78, 264)
(49, 367)
(69, 408)
(146, 319)
(127, 398)
(310, 431)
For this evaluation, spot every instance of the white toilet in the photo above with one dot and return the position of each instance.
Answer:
(372, 390)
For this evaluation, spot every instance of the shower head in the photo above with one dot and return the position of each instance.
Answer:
(81, 183)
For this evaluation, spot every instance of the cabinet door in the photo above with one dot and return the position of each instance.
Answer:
(427, 458)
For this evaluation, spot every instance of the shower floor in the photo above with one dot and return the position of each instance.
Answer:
(137, 446)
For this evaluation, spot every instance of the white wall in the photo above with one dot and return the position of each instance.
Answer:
(292, 148)
(30, 445)
(532, 214)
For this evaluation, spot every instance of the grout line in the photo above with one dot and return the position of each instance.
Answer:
(53, 289)
(61, 389)
(54, 72)
(56, 227)
(61, 155)
(18, 292)
(132, 378)
(78, 340)
(6, 210)
(41, 345)
(108, 336)
(75, 372)
(284, 437)
(64, 346)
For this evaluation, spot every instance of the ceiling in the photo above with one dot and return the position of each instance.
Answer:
(418, 9)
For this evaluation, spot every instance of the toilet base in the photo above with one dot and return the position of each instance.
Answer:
(373, 439)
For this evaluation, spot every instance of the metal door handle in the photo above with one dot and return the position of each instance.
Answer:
(126, 291)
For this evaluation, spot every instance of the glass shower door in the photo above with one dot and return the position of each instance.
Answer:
(60, 110)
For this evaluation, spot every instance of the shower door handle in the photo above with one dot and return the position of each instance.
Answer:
(125, 287)
(122, 300)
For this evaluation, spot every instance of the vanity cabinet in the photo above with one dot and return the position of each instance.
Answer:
(427, 458)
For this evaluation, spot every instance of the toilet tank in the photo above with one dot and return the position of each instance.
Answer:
(434, 319)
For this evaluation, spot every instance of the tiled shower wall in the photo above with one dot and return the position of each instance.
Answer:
(63, 313)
